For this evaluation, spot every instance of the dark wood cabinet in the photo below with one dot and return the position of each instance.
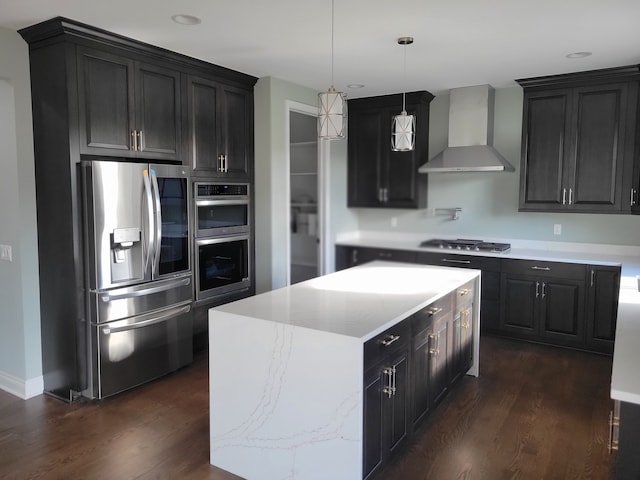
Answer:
(578, 141)
(127, 108)
(627, 421)
(490, 293)
(351, 256)
(462, 331)
(378, 176)
(602, 307)
(386, 396)
(220, 128)
(543, 301)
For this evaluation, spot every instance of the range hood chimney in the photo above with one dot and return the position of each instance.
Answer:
(470, 135)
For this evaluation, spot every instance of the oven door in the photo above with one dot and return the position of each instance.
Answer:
(221, 217)
(222, 265)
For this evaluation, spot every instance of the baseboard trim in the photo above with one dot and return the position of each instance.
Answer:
(21, 388)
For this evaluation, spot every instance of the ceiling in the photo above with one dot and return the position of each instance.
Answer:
(457, 42)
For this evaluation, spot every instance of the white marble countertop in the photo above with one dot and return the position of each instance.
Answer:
(625, 377)
(359, 302)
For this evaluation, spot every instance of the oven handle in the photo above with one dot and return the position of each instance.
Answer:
(214, 203)
(213, 240)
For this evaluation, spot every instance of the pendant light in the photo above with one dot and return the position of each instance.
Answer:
(403, 126)
(332, 105)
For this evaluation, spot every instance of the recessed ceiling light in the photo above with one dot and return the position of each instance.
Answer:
(355, 85)
(578, 55)
(186, 19)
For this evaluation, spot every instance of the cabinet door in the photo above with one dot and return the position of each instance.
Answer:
(236, 120)
(204, 130)
(439, 348)
(519, 294)
(420, 367)
(106, 103)
(158, 112)
(602, 307)
(365, 158)
(562, 312)
(598, 147)
(397, 417)
(545, 149)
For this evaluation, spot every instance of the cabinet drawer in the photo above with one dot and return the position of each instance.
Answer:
(390, 340)
(574, 271)
(465, 294)
(451, 259)
(433, 312)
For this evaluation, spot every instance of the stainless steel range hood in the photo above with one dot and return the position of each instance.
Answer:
(470, 135)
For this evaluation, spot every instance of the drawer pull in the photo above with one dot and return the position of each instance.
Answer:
(434, 310)
(464, 291)
(390, 339)
(450, 260)
(546, 269)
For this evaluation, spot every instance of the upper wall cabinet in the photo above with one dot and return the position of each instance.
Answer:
(377, 176)
(127, 108)
(220, 119)
(578, 141)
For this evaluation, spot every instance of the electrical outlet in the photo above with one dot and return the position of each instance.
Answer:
(394, 221)
(5, 253)
(557, 229)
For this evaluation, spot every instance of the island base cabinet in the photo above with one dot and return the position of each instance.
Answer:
(385, 399)
(627, 461)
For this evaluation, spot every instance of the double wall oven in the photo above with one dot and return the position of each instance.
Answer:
(222, 240)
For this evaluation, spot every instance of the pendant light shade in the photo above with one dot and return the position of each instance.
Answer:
(403, 126)
(332, 105)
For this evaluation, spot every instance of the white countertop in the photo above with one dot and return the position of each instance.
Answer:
(359, 302)
(625, 378)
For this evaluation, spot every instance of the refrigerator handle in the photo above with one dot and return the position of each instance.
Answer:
(149, 196)
(129, 293)
(157, 220)
(159, 319)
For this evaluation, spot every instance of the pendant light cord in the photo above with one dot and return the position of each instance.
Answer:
(332, 34)
(404, 109)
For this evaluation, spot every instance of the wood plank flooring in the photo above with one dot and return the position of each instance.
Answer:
(536, 412)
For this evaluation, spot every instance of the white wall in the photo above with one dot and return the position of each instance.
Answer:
(272, 177)
(20, 353)
(489, 201)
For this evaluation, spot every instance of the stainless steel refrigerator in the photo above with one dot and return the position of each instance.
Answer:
(138, 277)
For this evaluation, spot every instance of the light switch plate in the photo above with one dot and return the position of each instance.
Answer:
(5, 253)
(557, 229)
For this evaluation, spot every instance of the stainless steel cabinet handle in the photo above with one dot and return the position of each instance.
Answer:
(632, 201)
(390, 389)
(354, 256)
(571, 196)
(449, 260)
(434, 310)
(390, 339)
(220, 165)
(464, 291)
(537, 289)
(544, 289)
(546, 269)
(564, 196)
(380, 196)
(139, 142)
(133, 145)
(435, 351)
(593, 276)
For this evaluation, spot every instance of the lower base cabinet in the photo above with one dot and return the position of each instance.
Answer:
(409, 369)
(625, 436)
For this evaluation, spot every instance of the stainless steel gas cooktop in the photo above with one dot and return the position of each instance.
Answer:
(467, 244)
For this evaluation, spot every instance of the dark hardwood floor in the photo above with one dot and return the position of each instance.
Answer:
(535, 412)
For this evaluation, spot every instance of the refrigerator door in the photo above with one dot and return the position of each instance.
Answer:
(138, 349)
(119, 214)
(172, 204)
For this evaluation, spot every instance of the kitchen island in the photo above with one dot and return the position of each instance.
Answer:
(287, 367)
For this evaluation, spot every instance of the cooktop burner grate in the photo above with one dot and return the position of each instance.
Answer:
(466, 244)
